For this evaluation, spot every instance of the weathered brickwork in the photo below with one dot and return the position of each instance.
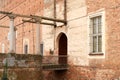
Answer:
(83, 73)
(105, 68)
(20, 67)
(111, 34)
(24, 31)
(111, 28)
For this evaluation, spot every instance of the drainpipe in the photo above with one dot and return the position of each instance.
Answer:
(55, 12)
(65, 11)
(54, 22)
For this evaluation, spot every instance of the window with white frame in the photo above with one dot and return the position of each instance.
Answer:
(96, 28)
(96, 34)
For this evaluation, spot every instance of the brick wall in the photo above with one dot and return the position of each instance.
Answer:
(83, 73)
(76, 32)
(20, 67)
(27, 30)
(111, 30)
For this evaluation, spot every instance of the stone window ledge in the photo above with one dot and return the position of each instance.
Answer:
(96, 54)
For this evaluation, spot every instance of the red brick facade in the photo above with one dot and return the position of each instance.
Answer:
(27, 30)
(111, 29)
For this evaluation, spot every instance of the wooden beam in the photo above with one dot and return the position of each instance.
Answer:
(19, 24)
(4, 12)
(16, 15)
(3, 17)
(29, 21)
(32, 16)
(51, 19)
(48, 24)
(40, 22)
(4, 26)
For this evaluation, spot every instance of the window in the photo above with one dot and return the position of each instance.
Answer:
(96, 28)
(26, 49)
(96, 34)
(41, 48)
(25, 46)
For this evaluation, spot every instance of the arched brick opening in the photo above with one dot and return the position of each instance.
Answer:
(62, 48)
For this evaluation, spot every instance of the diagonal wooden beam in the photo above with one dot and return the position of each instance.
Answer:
(3, 17)
(4, 12)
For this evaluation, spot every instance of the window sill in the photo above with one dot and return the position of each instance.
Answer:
(96, 54)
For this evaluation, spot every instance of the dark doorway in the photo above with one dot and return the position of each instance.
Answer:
(63, 49)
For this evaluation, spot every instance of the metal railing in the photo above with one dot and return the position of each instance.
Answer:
(62, 59)
(55, 62)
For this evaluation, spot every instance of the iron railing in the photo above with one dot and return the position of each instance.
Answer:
(55, 62)
(55, 59)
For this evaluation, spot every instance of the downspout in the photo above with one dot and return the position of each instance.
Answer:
(55, 15)
(55, 12)
(65, 11)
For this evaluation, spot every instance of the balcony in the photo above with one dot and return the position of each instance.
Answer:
(55, 62)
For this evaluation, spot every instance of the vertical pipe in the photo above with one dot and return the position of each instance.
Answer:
(12, 36)
(55, 12)
(65, 10)
(38, 38)
(54, 22)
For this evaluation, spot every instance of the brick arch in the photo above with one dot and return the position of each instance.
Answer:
(62, 48)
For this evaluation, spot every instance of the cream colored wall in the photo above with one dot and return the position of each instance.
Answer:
(76, 31)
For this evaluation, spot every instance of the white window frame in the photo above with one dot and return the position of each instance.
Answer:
(101, 13)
